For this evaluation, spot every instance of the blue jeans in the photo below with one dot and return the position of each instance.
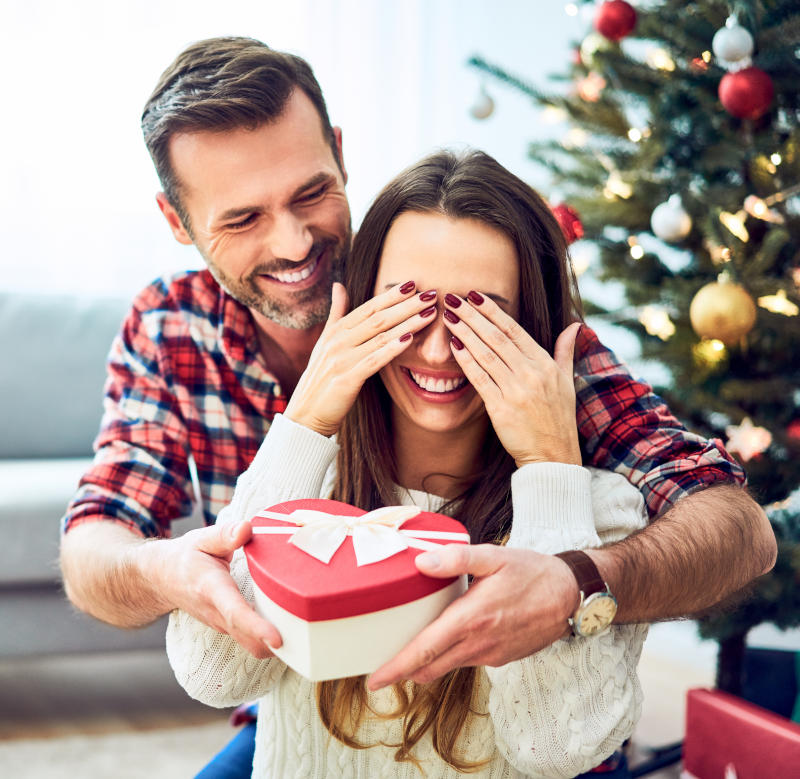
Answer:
(235, 760)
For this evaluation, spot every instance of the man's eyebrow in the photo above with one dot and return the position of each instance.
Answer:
(497, 298)
(239, 211)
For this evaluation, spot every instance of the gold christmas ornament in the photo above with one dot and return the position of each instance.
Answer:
(723, 311)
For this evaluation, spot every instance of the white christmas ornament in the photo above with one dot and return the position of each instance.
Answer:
(732, 43)
(669, 221)
(483, 107)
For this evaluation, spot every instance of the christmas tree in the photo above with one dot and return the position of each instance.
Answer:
(681, 166)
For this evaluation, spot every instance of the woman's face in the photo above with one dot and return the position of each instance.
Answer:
(426, 385)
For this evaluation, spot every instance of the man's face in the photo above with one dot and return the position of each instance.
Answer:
(268, 212)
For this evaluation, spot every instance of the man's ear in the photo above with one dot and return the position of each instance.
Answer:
(337, 134)
(173, 220)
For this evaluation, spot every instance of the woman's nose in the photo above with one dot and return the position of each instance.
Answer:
(433, 343)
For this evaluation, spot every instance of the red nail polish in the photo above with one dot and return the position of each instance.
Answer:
(452, 300)
(456, 342)
(408, 287)
(474, 297)
(429, 295)
(405, 337)
(428, 311)
(451, 317)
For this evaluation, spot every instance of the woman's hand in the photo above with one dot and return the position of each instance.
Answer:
(529, 396)
(353, 347)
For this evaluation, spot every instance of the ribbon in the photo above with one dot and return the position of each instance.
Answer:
(376, 534)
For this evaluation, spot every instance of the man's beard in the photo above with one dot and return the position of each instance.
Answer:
(300, 310)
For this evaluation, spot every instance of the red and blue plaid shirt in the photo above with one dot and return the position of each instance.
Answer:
(187, 381)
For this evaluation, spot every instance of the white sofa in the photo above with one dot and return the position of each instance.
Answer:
(52, 367)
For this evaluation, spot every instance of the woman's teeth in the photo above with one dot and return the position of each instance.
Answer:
(430, 384)
(293, 277)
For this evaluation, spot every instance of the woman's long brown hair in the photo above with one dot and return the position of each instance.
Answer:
(469, 186)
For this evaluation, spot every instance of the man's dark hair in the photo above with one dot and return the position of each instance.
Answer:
(223, 84)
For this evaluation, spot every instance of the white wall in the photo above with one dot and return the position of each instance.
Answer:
(76, 184)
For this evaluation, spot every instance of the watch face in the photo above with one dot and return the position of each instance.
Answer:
(596, 614)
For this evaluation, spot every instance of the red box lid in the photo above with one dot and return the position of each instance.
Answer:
(723, 730)
(315, 591)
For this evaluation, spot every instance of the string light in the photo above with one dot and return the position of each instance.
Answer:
(660, 59)
(591, 87)
(553, 114)
(709, 352)
(776, 158)
(635, 134)
(779, 304)
(657, 322)
(637, 252)
(735, 224)
(571, 9)
(706, 55)
(575, 138)
(747, 439)
(616, 187)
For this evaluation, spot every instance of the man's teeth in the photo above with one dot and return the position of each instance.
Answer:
(294, 276)
(437, 385)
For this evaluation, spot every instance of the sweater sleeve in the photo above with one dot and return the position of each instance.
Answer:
(564, 709)
(290, 464)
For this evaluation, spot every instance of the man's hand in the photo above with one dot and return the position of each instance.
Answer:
(519, 602)
(205, 589)
(127, 581)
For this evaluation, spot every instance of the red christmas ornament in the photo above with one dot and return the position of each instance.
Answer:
(793, 431)
(570, 222)
(747, 93)
(615, 19)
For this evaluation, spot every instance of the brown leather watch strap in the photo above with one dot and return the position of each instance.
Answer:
(586, 573)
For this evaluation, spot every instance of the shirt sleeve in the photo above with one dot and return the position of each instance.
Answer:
(140, 475)
(625, 427)
(291, 464)
(564, 709)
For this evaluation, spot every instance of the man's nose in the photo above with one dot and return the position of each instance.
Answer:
(290, 238)
(433, 343)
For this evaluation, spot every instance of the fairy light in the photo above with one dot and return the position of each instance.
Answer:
(591, 87)
(735, 224)
(779, 304)
(657, 322)
(660, 59)
(635, 134)
(575, 138)
(776, 158)
(615, 186)
(706, 55)
(553, 114)
(709, 352)
(571, 9)
(637, 252)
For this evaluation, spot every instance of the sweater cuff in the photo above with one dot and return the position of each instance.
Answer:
(552, 505)
(294, 457)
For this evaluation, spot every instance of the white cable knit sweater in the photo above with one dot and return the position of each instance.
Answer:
(556, 713)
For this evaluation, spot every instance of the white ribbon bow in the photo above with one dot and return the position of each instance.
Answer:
(376, 534)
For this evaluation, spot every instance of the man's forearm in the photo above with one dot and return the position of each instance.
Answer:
(709, 545)
(110, 573)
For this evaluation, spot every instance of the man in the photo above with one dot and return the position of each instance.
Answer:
(253, 176)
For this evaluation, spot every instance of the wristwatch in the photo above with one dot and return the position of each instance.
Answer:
(597, 606)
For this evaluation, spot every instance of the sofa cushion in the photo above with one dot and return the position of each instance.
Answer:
(53, 350)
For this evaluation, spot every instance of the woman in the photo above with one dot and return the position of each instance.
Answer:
(442, 393)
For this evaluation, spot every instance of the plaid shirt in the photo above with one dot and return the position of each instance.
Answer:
(187, 380)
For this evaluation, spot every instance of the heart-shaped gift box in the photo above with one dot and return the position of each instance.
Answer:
(337, 617)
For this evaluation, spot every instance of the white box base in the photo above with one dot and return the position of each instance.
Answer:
(351, 646)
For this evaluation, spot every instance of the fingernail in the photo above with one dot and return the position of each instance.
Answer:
(452, 300)
(430, 559)
(474, 297)
(429, 295)
(408, 287)
(405, 337)
(458, 345)
(428, 311)
(450, 316)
